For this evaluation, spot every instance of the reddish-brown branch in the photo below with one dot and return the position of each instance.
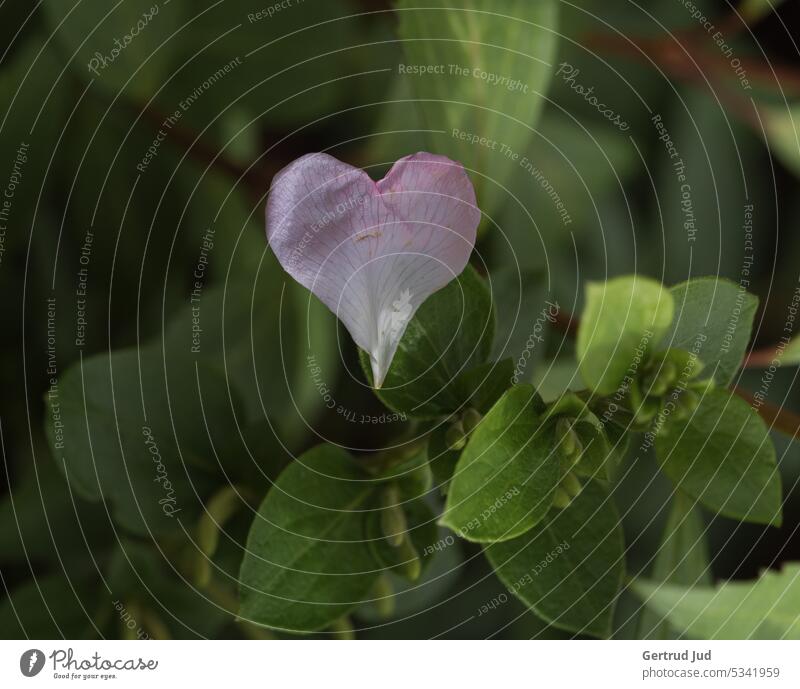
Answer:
(761, 358)
(566, 323)
(777, 418)
(254, 179)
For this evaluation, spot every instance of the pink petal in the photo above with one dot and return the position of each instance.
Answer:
(373, 252)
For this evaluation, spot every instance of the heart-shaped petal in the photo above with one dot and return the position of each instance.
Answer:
(373, 252)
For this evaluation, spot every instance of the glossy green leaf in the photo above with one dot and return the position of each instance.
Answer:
(450, 334)
(569, 568)
(484, 75)
(713, 319)
(722, 455)
(307, 562)
(622, 320)
(682, 559)
(767, 608)
(504, 481)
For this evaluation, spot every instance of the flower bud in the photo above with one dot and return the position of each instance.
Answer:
(343, 629)
(571, 485)
(393, 519)
(455, 437)
(561, 499)
(470, 419)
(664, 379)
(410, 565)
(383, 596)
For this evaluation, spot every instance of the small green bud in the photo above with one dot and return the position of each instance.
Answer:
(690, 400)
(455, 437)
(571, 485)
(569, 442)
(664, 379)
(202, 570)
(701, 387)
(383, 596)
(343, 629)
(393, 518)
(470, 419)
(409, 562)
(680, 413)
(634, 396)
(220, 507)
(154, 625)
(645, 413)
(567, 438)
(561, 499)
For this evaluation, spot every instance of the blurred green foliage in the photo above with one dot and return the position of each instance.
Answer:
(138, 146)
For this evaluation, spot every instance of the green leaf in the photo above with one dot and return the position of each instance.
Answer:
(569, 568)
(504, 481)
(514, 47)
(117, 42)
(483, 385)
(141, 431)
(556, 377)
(54, 606)
(623, 319)
(239, 323)
(44, 522)
(291, 64)
(713, 319)
(32, 117)
(702, 234)
(723, 456)
(682, 559)
(767, 608)
(307, 562)
(450, 334)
